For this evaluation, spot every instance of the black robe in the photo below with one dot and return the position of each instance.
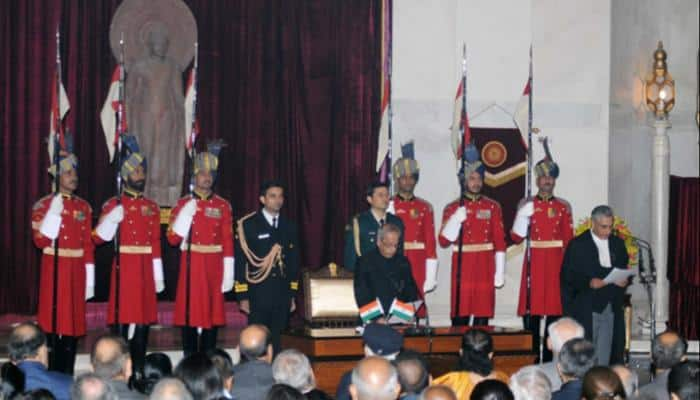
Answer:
(383, 278)
(579, 301)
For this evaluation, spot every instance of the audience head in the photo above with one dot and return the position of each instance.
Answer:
(530, 383)
(601, 383)
(91, 386)
(11, 381)
(291, 367)
(255, 343)
(491, 389)
(382, 340)
(38, 394)
(667, 350)
(110, 358)
(476, 352)
(170, 389)
(413, 372)
(200, 376)
(28, 342)
(280, 391)
(629, 379)
(684, 381)
(224, 364)
(576, 357)
(155, 367)
(561, 331)
(438, 392)
(374, 378)
(602, 221)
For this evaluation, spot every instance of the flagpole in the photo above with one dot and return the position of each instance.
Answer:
(193, 154)
(462, 177)
(117, 163)
(389, 55)
(57, 172)
(528, 241)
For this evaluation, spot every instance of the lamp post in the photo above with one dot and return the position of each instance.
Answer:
(660, 98)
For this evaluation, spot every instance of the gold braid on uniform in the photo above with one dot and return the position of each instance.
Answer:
(263, 265)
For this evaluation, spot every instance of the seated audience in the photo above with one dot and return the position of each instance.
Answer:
(291, 367)
(379, 340)
(252, 378)
(11, 381)
(684, 381)
(492, 389)
(28, 350)
(111, 361)
(413, 374)
(224, 364)
(667, 350)
(156, 366)
(475, 364)
(38, 394)
(280, 391)
(200, 376)
(530, 383)
(438, 392)
(601, 383)
(374, 378)
(91, 386)
(629, 379)
(576, 357)
(559, 332)
(170, 389)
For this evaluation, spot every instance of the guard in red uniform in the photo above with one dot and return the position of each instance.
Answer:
(482, 250)
(68, 219)
(419, 226)
(550, 225)
(140, 265)
(206, 219)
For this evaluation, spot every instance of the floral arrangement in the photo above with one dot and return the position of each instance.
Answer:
(621, 230)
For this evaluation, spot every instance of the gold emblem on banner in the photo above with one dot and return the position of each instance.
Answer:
(494, 154)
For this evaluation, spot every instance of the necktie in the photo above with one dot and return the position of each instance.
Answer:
(274, 222)
(381, 222)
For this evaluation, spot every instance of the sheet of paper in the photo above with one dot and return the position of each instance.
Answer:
(618, 274)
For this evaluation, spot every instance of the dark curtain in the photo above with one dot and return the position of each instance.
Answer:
(291, 86)
(684, 256)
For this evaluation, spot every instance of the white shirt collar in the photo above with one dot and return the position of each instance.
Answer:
(268, 217)
(603, 250)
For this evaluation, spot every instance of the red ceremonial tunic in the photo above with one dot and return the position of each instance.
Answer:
(419, 237)
(212, 240)
(483, 235)
(551, 229)
(75, 250)
(139, 244)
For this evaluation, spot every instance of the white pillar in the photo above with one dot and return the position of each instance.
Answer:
(659, 218)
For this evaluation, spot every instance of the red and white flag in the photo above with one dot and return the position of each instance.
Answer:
(522, 111)
(382, 165)
(59, 107)
(459, 121)
(108, 115)
(190, 99)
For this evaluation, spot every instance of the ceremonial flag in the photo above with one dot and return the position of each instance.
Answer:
(59, 107)
(520, 116)
(384, 140)
(371, 311)
(108, 115)
(191, 131)
(460, 120)
(402, 310)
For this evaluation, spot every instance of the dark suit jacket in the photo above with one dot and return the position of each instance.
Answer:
(579, 301)
(38, 377)
(386, 279)
(569, 391)
(361, 234)
(252, 380)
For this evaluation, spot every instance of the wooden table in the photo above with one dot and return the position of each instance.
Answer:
(331, 356)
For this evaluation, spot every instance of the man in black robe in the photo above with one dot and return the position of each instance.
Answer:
(596, 305)
(384, 273)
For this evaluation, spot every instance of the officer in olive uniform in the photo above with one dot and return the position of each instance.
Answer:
(361, 232)
(267, 278)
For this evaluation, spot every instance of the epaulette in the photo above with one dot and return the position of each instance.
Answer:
(245, 217)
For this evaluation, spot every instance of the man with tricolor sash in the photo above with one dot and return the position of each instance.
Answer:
(383, 283)
(137, 219)
(67, 218)
(548, 221)
(202, 225)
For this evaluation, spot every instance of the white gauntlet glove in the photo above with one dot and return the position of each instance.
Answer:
(108, 227)
(431, 266)
(499, 278)
(51, 223)
(522, 219)
(183, 222)
(451, 229)
(158, 277)
(227, 281)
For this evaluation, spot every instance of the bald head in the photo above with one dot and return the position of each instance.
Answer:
(170, 389)
(438, 392)
(374, 378)
(27, 342)
(629, 379)
(562, 331)
(668, 349)
(110, 358)
(254, 343)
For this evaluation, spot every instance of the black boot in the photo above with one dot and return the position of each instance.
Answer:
(69, 346)
(532, 323)
(55, 352)
(137, 348)
(546, 352)
(208, 339)
(460, 321)
(190, 340)
(481, 321)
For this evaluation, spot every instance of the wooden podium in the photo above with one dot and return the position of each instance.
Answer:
(335, 352)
